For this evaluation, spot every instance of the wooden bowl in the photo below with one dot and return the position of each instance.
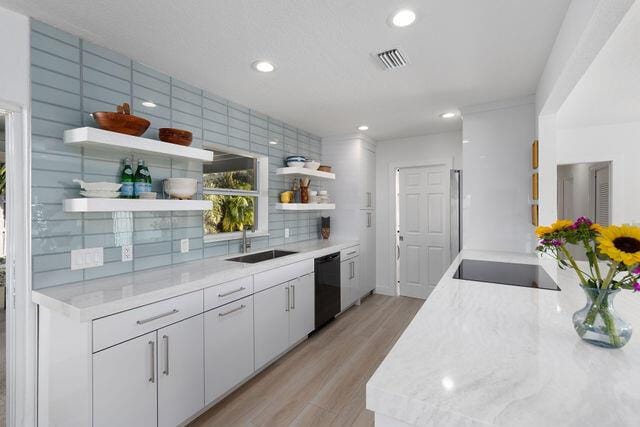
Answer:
(175, 136)
(324, 168)
(121, 123)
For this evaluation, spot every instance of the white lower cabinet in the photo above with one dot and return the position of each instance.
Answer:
(125, 384)
(350, 289)
(180, 371)
(271, 323)
(302, 314)
(228, 347)
(155, 379)
(283, 315)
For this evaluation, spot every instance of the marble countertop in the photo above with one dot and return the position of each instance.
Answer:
(92, 299)
(480, 354)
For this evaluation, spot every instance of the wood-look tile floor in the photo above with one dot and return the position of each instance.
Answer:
(322, 381)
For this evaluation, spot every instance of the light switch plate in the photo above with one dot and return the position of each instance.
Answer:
(127, 253)
(86, 258)
(184, 246)
(286, 233)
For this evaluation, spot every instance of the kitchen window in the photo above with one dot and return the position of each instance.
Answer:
(237, 184)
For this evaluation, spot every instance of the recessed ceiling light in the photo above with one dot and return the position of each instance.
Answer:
(465, 141)
(448, 115)
(363, 127)
(273, 142)
(403, 18)
(149, 104)
(264, 66)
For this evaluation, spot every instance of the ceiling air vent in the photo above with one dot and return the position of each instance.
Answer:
(392, 59)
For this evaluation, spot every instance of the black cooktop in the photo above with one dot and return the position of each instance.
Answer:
(505, 273)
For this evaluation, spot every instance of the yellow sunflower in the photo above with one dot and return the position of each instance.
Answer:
(620, 243)
(597, 228)
(559, 225)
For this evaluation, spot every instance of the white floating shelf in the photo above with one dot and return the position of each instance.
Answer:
(104, 139)
(134, 205)
(305, 172)
(305, 206)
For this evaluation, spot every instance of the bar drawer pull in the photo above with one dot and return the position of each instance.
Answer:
(165, 338)
(232, 311)
(159, 316)
(226, 294)
(152, 378)
(351, 253)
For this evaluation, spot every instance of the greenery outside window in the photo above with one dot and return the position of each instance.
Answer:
(236, 183)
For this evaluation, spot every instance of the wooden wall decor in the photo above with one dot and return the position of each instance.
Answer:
(534, 215)
(534, 155)
(534, 186)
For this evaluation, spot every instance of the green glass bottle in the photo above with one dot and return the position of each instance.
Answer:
(126, 179)
(141, 179)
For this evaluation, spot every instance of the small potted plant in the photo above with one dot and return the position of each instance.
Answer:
(617, 248)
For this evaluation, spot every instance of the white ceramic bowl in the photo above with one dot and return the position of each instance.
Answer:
(313, 165)
(181, 188)
(323, 192)
(295, 164)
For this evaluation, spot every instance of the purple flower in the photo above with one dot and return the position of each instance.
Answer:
(636, 270)
(582, 221)
(636, 287)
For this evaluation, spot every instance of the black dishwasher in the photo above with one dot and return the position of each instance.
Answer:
(327, 271)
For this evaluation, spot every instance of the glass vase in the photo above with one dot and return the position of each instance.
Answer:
(598, 323)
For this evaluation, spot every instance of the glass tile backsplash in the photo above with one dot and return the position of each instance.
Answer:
(72, 78)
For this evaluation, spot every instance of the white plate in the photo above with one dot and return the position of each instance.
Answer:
(100, 194)
(98, 186)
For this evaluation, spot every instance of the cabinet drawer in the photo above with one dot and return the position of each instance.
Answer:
(349, 253)
(267, 279)
(120, 327)
(216, 296)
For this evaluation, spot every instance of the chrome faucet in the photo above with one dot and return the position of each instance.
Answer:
(246, 243)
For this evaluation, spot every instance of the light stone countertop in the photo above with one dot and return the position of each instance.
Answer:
(92, 299)
(480, 354)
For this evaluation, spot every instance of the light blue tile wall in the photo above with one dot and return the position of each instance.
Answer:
(72, 78)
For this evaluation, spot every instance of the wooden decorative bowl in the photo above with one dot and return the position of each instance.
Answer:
(324, 168)
(175, 136)
(121, 123)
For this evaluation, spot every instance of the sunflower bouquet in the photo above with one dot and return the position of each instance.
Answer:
(617, 247)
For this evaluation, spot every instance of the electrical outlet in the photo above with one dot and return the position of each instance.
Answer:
(184, 246)
(127, 253)
(286, 233)
(86, 258)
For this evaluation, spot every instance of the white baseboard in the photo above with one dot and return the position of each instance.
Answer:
(385, 290)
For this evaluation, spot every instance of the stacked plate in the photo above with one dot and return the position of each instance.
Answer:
(295, 161)
(99, 190)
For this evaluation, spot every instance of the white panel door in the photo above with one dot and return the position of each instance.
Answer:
(345, 285)
(423, 228)
(302, 306)
(180, 371)
(228, 347)
(125, 380)
(271, 323)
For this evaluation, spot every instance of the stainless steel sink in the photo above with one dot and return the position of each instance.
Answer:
(261, 256)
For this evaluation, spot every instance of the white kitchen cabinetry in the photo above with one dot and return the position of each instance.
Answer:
(349, 279)
(301, 314)
(125, 379)
(228, 347)
(271, 320)
(354, 162)
(180, 371)
(283, 315)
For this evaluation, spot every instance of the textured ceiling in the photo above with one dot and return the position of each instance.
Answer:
(609, 91)
(462, 52)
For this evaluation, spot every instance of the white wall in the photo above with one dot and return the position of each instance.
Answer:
(14, 90)
(620, 144)
(497, 176)
(578, 204)
(425, 148)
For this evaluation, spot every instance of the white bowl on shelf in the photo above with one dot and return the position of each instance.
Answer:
(98, 186)
(311, 164)
(181, 188)
(295, 164)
